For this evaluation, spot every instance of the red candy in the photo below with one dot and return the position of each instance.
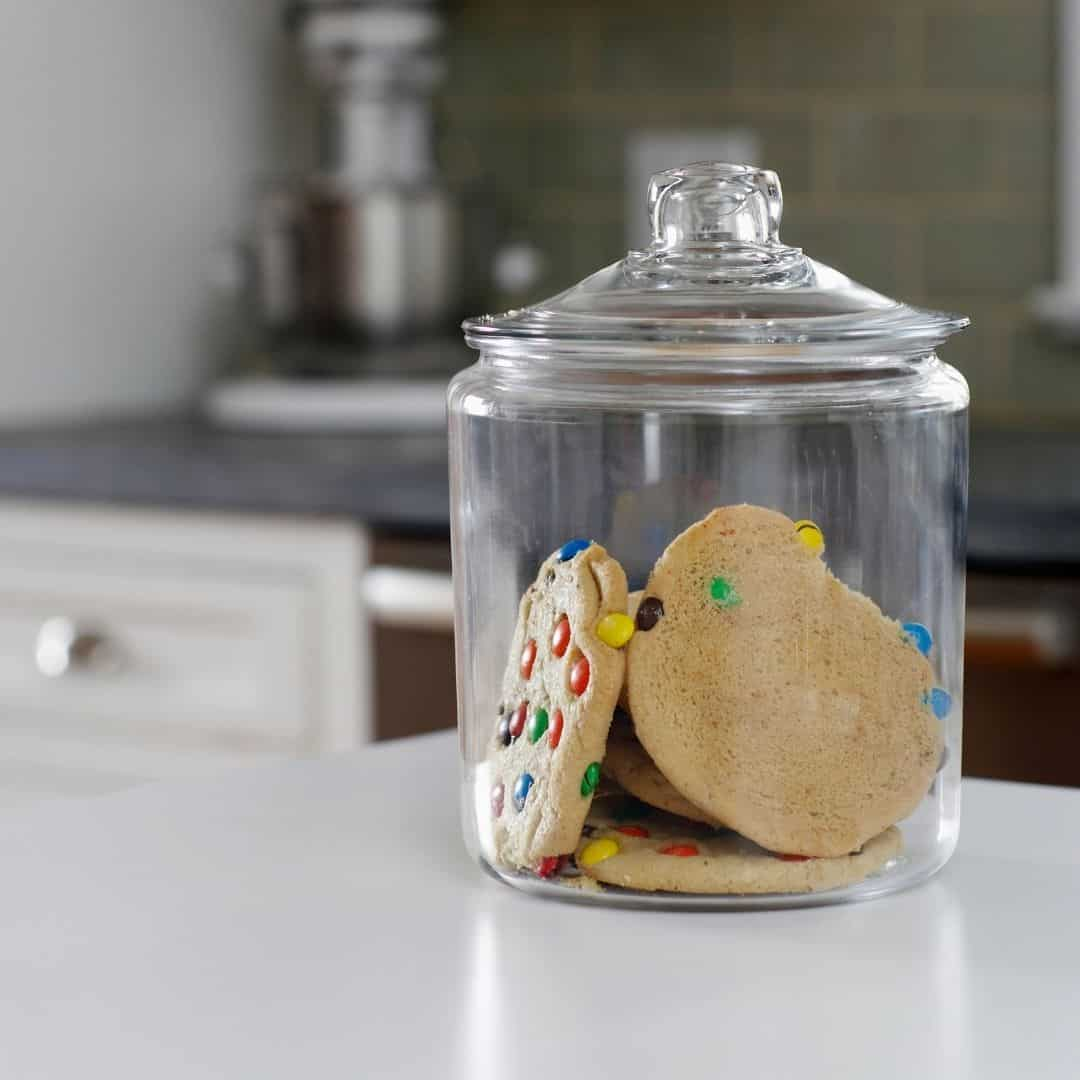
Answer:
(550, 865)
(517, 721)
(633, 830)
(579, 676)
(528, 658)
(555, 731)
(498, 793)
(560, 640)
(794, 858)
(683, 850)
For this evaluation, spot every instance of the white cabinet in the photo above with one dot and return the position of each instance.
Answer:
(140, 642)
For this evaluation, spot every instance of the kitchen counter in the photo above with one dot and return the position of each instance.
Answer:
(396, 482)
(322, 919)
(1025, 496)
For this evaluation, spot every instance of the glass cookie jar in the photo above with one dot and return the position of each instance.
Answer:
(708, 515)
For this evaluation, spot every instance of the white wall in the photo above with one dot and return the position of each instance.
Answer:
(131, 135)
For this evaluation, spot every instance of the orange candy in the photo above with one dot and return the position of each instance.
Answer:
(517, 721)
(579, 676)
(560, 640)
(528, 658)
(633, 830)
(683, 850)
(555, 731)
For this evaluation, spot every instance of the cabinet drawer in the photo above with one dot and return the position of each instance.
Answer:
(170, 650)
(178, 630)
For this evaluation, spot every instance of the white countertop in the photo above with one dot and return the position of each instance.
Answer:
(322, 920)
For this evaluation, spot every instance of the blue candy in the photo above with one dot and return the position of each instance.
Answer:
(571, 548)
(940, 702)
(521, 790)
(919, 636)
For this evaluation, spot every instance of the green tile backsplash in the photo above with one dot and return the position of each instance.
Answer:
(987, 50)
(915, 141)
(985, 255)
(865, 150)
(810, 47)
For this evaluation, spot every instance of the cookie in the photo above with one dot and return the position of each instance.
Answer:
(661, 853)
(626, 762)
(774, 697)
(559, 691)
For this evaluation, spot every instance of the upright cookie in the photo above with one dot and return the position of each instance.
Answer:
(559, 691)
(627, 763)
(774, 697)
(660, 853)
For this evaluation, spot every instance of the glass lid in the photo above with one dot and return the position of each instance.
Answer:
(717, 278)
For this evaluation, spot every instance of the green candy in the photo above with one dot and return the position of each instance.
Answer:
(723, 592)
(537, 725)
(591, 778)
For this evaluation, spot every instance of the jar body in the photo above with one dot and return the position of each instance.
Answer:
(877, 458)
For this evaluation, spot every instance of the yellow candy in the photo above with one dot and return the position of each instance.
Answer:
(811, 536)
(598, 850)
(615, 630)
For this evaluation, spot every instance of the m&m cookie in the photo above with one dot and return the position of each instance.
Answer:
(773, 697)
(627, 763)
(665, 853)
(561, 682)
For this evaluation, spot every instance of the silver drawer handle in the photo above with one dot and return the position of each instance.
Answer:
(63, 646)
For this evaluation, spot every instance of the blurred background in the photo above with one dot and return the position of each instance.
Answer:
(240, 236)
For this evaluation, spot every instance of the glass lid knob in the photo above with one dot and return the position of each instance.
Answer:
(710, 202)
(718, 225)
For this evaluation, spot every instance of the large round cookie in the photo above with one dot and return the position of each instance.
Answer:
(774, 697)
(660, 853)
(626, 762)
(559, 692)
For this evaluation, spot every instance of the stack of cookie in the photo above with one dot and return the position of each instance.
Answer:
(771, 725)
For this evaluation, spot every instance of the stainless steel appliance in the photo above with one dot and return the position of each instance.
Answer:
(364, 250)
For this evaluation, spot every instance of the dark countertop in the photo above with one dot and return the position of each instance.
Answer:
(394, 482)
(1024, 499)
(1025, 486)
